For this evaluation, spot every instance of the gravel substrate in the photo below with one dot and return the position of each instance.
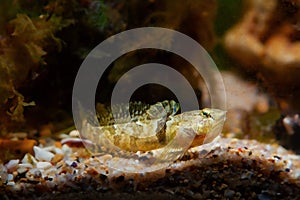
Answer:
(225, 169)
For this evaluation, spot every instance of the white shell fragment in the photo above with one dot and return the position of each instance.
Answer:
(53, 149)
(21, 170)
(12, 164)
(24, 167)
(29, 159)
(42, 155)
(43, 165)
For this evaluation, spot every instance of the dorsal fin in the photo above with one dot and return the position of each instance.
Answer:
(138, 111)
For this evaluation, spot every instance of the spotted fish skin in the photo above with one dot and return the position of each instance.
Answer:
(153, 130)
(138, 111)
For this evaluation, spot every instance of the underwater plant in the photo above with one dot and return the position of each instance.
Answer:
(29, 35)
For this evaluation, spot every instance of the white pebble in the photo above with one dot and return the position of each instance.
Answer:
(58, 151)
(66, 149)
(10, 177)
(25, 165)
(22, 170)
(42, 155)
(29, 159)
(12, 164)
(50, 172)
(74, 133)
(43, 165)
(11, 183)
(69, 162)
(63, 136)
(53, 149)
(50, 148)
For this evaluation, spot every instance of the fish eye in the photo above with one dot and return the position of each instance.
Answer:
(206, 114)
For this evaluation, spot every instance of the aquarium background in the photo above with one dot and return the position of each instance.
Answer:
(255, 45)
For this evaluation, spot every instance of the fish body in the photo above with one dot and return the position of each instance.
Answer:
(157, 125)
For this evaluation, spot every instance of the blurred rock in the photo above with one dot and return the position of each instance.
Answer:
(287, 131)
(244, 95)
(266, 41)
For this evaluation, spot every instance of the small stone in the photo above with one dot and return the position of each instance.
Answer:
(24, 168)
(43, 165)
(26, 165)
(197, 196)
(58, 150)
(3, 174)
(190, 193)
(53, 149)
(58, 145)
(15, 174)
(92, 171)
(66, 149)
(74, 133)
(12, 165)
(48, 178)
(57, 158)
(229, 193)
(246, 175)
(74, 164)
(42, 155)
(264, 197)
(11, 183)
(37, 174)
(10, 177)
(223, 186)
(287, 170)
(69, 162)
(29, 159)
(63, 136)
(34, 174)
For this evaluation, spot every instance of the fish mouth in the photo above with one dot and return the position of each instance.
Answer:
(219, 117)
